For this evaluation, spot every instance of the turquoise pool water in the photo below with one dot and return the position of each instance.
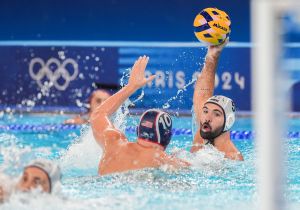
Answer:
(212, 182)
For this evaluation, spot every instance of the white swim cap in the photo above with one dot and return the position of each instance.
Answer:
(50, 168)
(228, 108)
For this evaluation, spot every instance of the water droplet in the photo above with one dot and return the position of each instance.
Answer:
(166, 106)
(81, 76)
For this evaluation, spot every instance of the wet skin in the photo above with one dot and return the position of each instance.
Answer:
(33, 178)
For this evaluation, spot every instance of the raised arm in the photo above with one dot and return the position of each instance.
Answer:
(104, 131)
(204, 88)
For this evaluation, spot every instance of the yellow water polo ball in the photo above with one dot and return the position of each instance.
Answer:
(212, 26)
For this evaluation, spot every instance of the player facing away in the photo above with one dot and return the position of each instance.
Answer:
(154, 132)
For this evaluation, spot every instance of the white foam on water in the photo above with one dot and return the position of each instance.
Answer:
(120, 117)
(85, 153)
(37, 201)
(13, 156)
(207, 160)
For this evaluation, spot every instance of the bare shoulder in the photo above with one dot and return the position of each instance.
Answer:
(114, 134)
(111, 138)
(230, 150)
(235, 155)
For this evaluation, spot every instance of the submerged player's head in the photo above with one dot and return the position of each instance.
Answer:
(218, 116)
(156, 127)
(40, 173)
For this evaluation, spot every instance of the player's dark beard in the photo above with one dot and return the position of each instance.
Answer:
(210, 135)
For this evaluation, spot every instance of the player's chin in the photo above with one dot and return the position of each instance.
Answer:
(205, 134)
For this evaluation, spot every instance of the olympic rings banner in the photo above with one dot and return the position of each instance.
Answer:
(62, 78)
(46, 77)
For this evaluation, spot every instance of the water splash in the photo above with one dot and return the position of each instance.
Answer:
(14, 155)
(178, 94)
(120, 118)
(29, 201)
(208, 160)
(84, 154)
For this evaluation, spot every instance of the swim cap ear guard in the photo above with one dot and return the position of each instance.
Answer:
(228, 108)
(155, 126)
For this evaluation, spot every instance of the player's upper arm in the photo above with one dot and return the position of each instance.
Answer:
(105, 133)
(203, 91)
(198, 142)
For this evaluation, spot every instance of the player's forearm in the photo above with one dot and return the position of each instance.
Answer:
(112, 104)
(206, 80)
(197, 142)
(204, 87)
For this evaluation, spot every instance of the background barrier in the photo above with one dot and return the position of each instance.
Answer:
(45, 74)
(33, 75)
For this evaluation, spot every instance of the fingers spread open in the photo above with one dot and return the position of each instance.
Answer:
(138, 61)
(144, 62)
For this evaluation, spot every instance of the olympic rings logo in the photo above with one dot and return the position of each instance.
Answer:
(57, 72)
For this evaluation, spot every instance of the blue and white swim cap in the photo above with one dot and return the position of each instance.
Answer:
(228, 108)
(155, 126)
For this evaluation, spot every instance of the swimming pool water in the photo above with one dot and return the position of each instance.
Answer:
(211, 183)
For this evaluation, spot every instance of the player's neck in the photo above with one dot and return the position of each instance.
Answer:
(149, 145)
(222, 140)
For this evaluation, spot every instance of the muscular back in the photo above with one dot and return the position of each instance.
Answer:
(118, 154)
(130, 156)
